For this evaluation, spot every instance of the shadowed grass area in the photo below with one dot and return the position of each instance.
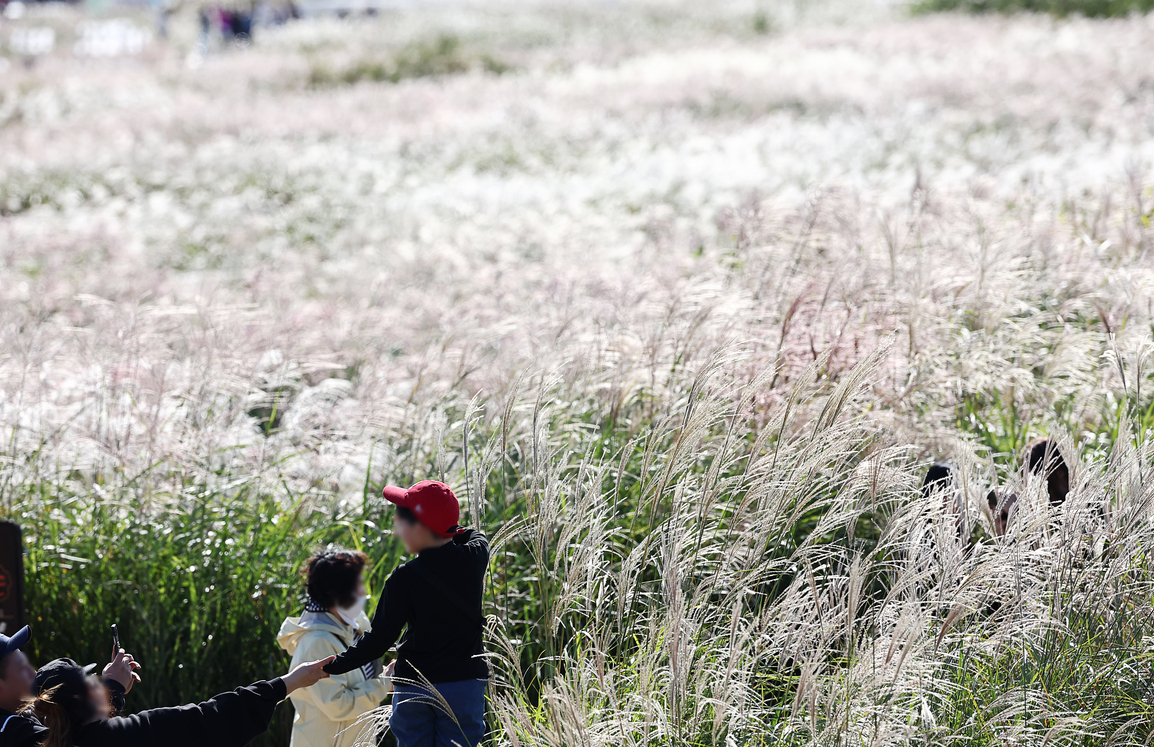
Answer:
(441, 56)
(1086, 682)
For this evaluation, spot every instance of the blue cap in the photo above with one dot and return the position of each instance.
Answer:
(8, 645)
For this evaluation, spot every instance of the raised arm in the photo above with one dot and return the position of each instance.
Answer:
(388, 621)
(119, 676)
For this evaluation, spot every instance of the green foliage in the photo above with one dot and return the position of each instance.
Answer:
(1094, 668)
(197, 578)
(444, 55)
(762, 24)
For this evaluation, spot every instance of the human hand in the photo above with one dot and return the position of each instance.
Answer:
(388, 673)
(123, 669)
(307, 674)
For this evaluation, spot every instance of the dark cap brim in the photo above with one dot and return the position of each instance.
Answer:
(18, 640)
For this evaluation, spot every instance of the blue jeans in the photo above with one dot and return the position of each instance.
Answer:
(419, 718)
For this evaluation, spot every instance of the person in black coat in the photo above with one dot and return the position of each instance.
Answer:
(74, 708)
(19, 727)
(436, 599)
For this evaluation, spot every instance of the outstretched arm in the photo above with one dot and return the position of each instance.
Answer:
(229, 720)
(335, 699)
(388, 620)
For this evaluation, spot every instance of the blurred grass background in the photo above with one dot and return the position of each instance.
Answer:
(1090, 8)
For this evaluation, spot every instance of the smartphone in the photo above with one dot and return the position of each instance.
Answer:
(115, 640)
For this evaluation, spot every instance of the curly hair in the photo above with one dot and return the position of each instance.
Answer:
(332, 575)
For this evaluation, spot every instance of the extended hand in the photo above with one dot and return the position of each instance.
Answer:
(307, 674)
(123, 669)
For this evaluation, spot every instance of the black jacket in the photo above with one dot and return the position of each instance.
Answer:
(229, 720)
(25, 730)
(441, 642)
(20, 729)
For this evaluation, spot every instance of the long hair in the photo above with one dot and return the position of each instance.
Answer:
(55, 717)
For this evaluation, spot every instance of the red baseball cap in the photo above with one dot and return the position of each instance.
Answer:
(432, 502)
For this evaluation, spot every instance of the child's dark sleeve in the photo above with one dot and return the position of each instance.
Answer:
(388, 620)
(229, 720)
(115, 695)
(475, 543)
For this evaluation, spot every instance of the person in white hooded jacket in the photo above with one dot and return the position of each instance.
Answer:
(333, 620)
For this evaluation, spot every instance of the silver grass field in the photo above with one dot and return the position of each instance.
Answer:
(683, 298)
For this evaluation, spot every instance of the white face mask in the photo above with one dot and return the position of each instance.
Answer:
(351, 613)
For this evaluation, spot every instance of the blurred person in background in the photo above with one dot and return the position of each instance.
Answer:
(441, 672)
(204, 23)
(77, 712)
(332, 621)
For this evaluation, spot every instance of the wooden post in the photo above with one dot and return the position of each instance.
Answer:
(11, 578)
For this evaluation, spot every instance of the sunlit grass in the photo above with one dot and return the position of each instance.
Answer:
(682, 299)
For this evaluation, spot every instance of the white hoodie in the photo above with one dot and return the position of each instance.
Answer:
(327, 712)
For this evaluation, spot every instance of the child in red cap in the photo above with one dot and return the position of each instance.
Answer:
(436, 598)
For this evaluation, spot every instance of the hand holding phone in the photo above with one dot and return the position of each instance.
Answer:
(123, 667)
